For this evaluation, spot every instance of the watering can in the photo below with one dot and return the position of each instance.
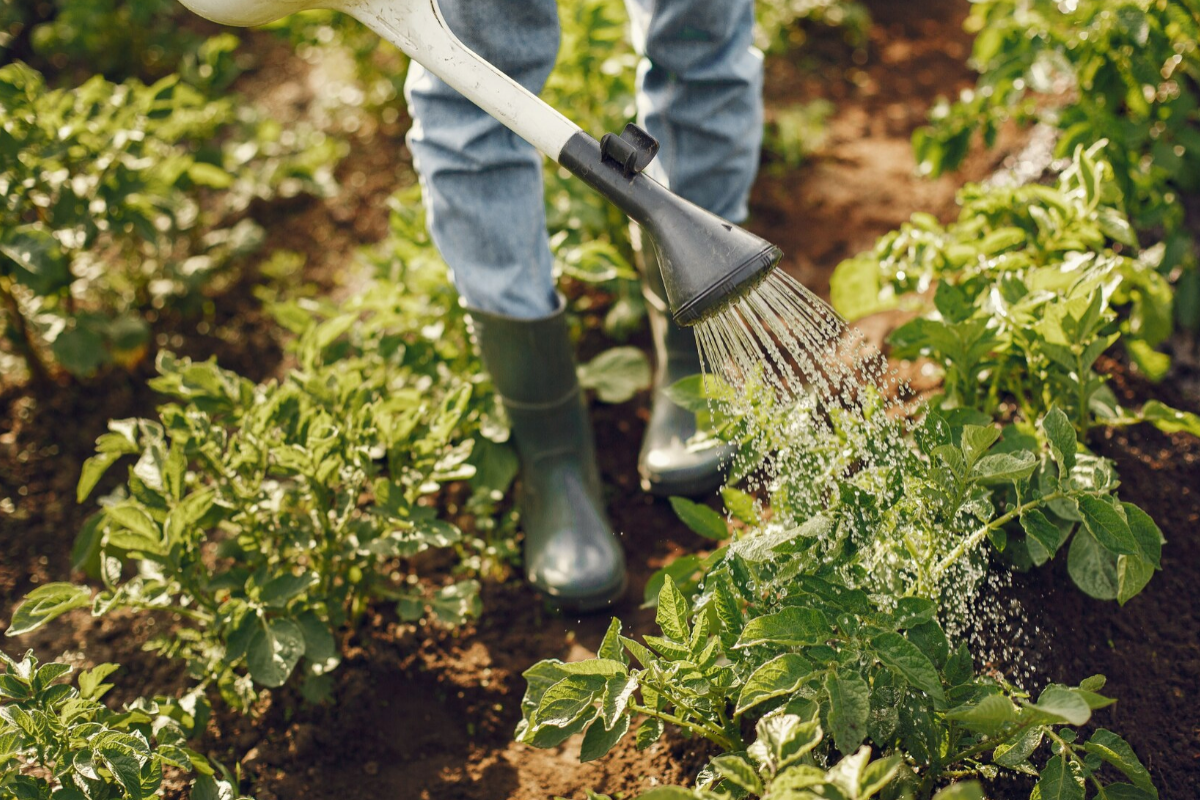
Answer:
(706, 262)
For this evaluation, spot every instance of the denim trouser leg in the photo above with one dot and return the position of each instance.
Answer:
(482, 183)
(699, 93)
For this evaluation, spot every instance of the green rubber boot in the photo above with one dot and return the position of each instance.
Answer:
(571, 555)
(666, 464)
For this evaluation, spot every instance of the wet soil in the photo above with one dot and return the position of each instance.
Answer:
(429, 713)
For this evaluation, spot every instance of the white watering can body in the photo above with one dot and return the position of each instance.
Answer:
(418, 28)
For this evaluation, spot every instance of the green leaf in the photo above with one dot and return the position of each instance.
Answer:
(849, 710)
(209, 175)
(1116, 751)
(906, 658)
(989, 716)
(784, 739)
(618, 690)
(1064, 706)
(610, 647)
(741, 505)
(1170, 420)
(455, 604)
(599, 740)
(1133, 574)
(790, 627)
(963, 790)
(274, 650)
(563, 702)
(282, 588)
(700, 519)
(1005, 467)
(320, 648)
(782, 675)
(1057, 782)
(1061, 435)
(1107, 525)
(124, 766)
(616, 375)
(977, 440)
(1043, 531)
(738, 771)
(40, 262)
(133, 518)
(80, 350)
(45, 603)
(682, 570)
(1017, 750)
(91, 682)
(649, 732)
(93, 469)
(673, 610)
(1149, 538)
(1092, 567)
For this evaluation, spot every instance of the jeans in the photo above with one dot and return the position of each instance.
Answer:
(699, 92)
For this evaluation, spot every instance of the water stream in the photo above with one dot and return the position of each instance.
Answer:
(820, 408)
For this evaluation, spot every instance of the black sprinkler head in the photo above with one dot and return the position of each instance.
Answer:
(706, 262)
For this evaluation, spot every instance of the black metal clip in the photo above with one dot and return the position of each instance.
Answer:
(633, 150)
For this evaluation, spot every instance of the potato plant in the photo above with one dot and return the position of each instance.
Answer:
(1124, 72)
(1031, 286)
(105, 220)
(58, 740)
(831, 612)
(266, 517)
(823, 669)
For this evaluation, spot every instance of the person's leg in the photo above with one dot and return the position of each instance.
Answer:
(481, 182)
(700, 95)
(483, 192)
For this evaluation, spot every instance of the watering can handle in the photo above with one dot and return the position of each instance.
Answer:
(418, 28)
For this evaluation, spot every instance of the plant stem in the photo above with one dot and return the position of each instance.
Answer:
(712, 734)
(975, 538)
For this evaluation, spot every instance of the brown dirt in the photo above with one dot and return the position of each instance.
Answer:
(1150, 649)
(428, 713)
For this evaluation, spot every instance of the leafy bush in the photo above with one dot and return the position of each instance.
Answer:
(266, 517)
(778, 29)
(1033, 284)
(805, 656)
(60, 741)
(116, 38)
(828, 614)
(104, 219)
(1128, 72)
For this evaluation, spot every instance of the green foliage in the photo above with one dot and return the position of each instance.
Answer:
(1128, 72)
(102, 223)
(1033, 284)
(115, 38)
(780, 21)
(268, 516)
(824, 670)
(795, 132)
(60, 741)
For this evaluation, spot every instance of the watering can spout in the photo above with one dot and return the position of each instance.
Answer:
(706, 261)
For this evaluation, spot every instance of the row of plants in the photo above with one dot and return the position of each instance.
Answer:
(1126, 72)
(829, 624)
(124, 202)
(263, 521)
(127, 199)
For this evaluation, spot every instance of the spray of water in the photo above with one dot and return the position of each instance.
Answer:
(820, 406)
